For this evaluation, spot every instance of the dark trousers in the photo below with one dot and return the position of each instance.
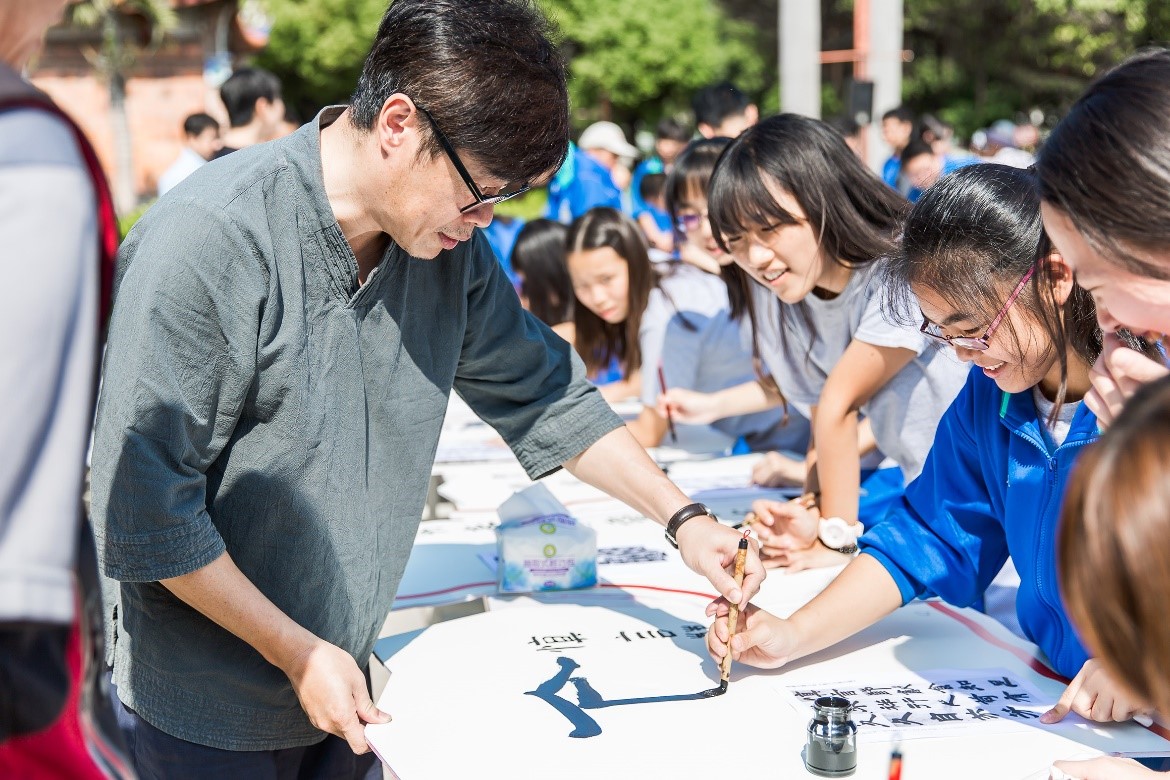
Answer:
(159, 756)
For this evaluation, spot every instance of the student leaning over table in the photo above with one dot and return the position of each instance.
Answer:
(1104, 174)
(988, 282)
(806, 222)
(1103, 177)
(1114, 570)
(290, 322)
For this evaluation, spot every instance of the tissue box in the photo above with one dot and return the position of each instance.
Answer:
(543, 550)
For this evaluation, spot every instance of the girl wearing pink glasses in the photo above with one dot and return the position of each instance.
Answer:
(975, 264)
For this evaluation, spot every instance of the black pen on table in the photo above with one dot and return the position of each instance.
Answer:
(669, 417)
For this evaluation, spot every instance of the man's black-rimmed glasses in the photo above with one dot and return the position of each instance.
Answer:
(509, 191)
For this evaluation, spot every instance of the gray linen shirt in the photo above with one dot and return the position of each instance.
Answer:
(257, 399)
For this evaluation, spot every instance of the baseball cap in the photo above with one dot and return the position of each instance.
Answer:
(609, 137)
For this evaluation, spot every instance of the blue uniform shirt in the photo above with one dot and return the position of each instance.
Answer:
(992, 486)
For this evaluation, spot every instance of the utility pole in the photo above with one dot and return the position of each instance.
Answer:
(885, 58)
(877, 58)
(800, 63)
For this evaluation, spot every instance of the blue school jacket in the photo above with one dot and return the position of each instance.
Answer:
(992, 486)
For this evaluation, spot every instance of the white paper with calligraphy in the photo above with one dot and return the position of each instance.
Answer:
(947, 702)
(573, 692)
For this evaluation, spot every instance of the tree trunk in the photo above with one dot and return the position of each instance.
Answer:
(125, 194)
(114, 55)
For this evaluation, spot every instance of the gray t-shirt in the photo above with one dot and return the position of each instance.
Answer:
(257, 399)
(688, 330)
(48, 338)
(905, 412)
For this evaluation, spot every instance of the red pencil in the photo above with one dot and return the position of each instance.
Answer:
(669, 418)
(896, 763)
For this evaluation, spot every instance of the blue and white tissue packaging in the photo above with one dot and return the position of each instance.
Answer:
(539, 546)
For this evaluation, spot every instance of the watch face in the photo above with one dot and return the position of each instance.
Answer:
(835, 533)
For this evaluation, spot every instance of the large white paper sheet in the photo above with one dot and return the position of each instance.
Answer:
(592, 692)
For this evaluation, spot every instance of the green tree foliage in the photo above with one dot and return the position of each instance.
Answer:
(981, 60)
(640, 59)
(317, 48)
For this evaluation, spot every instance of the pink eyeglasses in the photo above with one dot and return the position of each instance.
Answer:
(981, 343)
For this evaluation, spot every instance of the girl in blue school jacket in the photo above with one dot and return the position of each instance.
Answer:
(977, 269)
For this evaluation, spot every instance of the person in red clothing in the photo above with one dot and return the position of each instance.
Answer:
(56, 217)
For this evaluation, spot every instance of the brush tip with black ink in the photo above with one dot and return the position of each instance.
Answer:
(722, 689)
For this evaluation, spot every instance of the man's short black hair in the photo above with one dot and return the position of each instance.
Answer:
(243, 88)
(486, 72)
(671, 129)
(846, 126)
(652, 186)
(716, 102)
(916, 148)
(196, 124)
(901, 113)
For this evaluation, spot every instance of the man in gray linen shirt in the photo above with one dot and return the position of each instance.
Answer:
(289, 324)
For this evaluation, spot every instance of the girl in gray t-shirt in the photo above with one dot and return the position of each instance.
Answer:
(804, 220)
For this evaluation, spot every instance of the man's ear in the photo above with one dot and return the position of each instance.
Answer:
(752, 113)
(396, 122)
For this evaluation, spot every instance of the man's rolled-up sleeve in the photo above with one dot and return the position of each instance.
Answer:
(180, 360)
(523, 379)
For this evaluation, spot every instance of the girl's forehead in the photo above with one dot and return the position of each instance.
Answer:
(595, 259)
(938, 307)
(693, 197)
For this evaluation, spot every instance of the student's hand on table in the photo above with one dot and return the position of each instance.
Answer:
(708, 547)
(332, 692)
(761, 639)
(1105, 768)
(779, 470)
(816, 557)
(687, 406)
(1117, 374)
(1095, 695)
(784, 526)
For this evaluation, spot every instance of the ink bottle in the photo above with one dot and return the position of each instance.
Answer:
(831, 750)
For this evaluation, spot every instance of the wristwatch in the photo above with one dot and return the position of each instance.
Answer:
(681, 516)
(839, 534)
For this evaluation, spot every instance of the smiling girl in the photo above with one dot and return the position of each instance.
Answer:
(803, 217)
(975, 261)
(1104, 174)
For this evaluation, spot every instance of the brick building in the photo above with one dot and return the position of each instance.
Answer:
(162, 87)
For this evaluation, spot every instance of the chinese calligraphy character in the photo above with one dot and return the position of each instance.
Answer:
(873, 721)
(905, 720)
(1019, 714)
(558, 643)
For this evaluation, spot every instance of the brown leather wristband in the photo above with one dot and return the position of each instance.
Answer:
(688, 512)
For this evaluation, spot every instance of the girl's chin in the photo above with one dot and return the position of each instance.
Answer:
(1011, 382)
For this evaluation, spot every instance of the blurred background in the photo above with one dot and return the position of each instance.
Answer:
(130, 71)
